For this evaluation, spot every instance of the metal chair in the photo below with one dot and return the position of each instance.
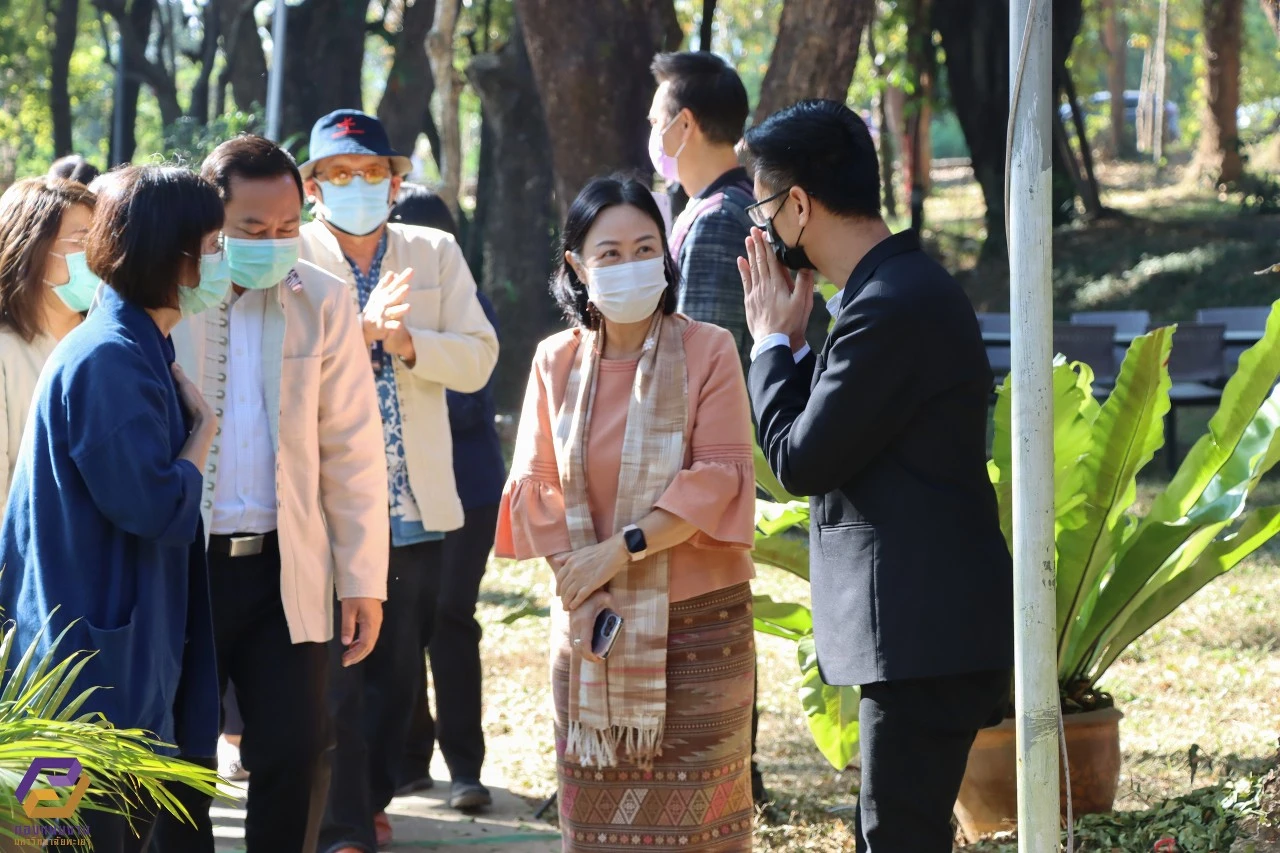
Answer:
(1248, 320)
(1128, 324)
(997, 354)
(1195, 369)
(1093, 345)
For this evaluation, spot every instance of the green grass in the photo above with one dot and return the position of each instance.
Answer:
(1173, 248)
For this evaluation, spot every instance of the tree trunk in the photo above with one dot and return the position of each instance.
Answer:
(1161, 62)
(323, 61)
(596, 124)
(134, 25)
(66, 23)
(815, 54)
(245, 70)
(922, 58)
(405, 108)
(1092, 195)
(1116, 37)
(199, 106)
(519, 220)
(449, 84)
(706, 29)
(975, 36)
(1219, 156)
(885, 135)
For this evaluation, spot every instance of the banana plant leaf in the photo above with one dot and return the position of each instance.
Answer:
(830, 712)
(784, 619)
(782, 536)
(1126, 434)
(768, 482)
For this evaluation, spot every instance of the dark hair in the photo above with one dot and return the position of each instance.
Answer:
(709, 88)
(417, 205)
(148, 232)
(73, 167)
(30, 216)
(824, 148)
(599, 195)
(252, 158)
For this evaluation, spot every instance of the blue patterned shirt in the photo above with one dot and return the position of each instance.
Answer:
(406, 520)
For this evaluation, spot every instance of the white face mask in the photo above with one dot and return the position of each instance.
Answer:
(627, 293)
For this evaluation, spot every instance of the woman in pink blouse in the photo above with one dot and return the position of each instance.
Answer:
(633, 477)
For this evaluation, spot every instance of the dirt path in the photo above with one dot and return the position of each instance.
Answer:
(425, 822)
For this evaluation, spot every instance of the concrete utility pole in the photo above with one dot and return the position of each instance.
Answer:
(1030, 273)
(275, 76)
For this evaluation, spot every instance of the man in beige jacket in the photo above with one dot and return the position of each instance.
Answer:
(295, 494)
(425, 332)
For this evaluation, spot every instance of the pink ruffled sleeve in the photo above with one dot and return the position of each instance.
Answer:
(531, 516)
(717, 492)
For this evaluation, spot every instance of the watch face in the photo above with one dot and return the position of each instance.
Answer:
(635, 540)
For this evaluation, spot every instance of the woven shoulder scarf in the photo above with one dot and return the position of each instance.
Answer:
(623, 701)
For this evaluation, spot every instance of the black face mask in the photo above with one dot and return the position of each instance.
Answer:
(791, 257)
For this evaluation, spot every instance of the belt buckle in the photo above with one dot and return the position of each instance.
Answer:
(246, 546)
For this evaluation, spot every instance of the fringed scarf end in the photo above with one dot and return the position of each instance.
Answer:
(599, 747)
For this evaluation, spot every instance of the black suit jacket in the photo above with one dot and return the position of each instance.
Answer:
(885, 430)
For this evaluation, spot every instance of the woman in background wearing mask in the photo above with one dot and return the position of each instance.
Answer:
(633, 476)
(102, 538)
(45, 286)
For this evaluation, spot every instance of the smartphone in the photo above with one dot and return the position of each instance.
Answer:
(608, 626)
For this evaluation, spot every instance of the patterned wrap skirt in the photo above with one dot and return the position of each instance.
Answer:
(697, 797)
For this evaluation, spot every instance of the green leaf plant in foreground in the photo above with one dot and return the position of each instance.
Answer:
(39, 718)
(1119, 571)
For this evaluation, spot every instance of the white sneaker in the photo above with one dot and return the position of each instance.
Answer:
(229, 766)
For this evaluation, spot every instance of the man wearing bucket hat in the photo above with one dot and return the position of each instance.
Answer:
(425, 332)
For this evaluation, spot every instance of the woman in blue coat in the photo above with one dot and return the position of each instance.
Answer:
(102, 536)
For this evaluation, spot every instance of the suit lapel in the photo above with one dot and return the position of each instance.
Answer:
(273, 332)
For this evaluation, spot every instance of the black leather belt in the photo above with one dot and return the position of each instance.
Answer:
(241, 544)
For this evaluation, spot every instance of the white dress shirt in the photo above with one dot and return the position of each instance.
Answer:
(777, 339)
(244, 494)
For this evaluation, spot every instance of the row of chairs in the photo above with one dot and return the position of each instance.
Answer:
(1200, 362)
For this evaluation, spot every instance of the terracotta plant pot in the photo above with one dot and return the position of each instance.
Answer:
(988, 800)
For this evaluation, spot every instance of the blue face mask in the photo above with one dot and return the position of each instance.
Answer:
(358, 208)
(259, 264)
(215, 280)
(78, 291)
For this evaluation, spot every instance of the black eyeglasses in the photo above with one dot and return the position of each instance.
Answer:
(756, 212)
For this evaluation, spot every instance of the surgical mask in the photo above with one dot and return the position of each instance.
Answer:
(215, 280)
(358, 208)
(259, 264)
(791, 257)
(79, 289)
(665, 164)
(627, 293)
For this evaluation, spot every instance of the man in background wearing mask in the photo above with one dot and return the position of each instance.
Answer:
(294, 496)
(425, 332)
(885, 430)
(698, 113)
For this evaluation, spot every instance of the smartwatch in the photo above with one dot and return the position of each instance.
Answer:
(634, 539)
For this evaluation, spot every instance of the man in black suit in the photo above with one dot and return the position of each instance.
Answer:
(885, 430)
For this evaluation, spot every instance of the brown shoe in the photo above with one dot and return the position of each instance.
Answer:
(382, 829)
